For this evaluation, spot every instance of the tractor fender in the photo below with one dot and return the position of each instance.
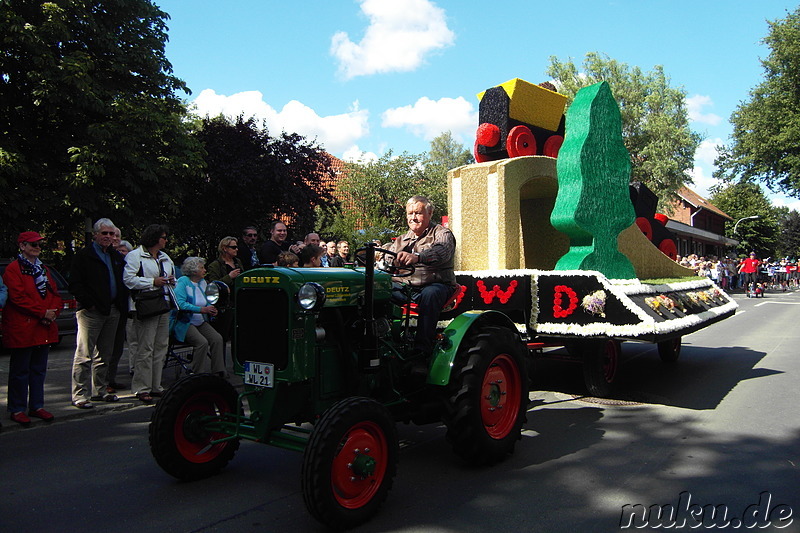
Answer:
(454, 334)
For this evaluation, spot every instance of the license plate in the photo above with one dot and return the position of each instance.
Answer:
(259, 374)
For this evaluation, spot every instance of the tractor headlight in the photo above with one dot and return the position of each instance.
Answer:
(311, 296)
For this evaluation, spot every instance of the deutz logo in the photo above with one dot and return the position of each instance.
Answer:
(337, 290)
(261, 279)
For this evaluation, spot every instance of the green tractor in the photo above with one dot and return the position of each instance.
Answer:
(328, 369)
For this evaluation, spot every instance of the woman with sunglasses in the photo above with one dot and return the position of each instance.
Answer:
(225, 268)
(147, 268)
(29, 328)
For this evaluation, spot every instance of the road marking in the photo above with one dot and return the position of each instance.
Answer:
(777, 303)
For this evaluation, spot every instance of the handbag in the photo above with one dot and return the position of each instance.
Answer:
(154, 302)
(151, 303)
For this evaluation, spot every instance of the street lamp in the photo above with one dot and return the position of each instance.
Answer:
(753, 217)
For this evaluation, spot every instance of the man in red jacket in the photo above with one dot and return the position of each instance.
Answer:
(749, 267)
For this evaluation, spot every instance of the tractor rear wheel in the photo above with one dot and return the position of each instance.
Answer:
(669, 351)
(179, 439)
(350, 463)
(487, 398)
(601, 359)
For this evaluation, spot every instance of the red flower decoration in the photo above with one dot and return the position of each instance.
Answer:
(558, 311)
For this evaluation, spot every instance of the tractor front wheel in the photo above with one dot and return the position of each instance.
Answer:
(487, 398)
(180, 439)
(350, 463)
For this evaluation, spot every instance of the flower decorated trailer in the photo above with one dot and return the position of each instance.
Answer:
(554, 241)
(591, 315)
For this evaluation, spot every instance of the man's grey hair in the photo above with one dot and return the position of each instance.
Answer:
(102, 223)
(417, 199)
(191, 265)
(127, 245)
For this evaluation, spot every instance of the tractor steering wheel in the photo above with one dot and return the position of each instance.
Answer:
(390, 268)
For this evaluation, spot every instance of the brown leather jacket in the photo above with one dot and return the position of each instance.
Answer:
(436, 248)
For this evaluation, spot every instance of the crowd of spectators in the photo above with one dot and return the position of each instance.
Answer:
(109, 279)
(732, 273)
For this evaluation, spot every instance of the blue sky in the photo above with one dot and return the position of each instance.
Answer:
(366, 76)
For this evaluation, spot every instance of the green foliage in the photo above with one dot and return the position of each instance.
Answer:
(92, 125)
(789, 236)
(766, 129)
(741, 200)
(374, 193)
(444, 154)
(655, 123)
(250, 179)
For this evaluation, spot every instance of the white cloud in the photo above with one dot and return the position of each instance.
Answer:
(336, 133)
(695, 105)
(354, 154)
(428, 118)
(703, 181)
(791, 203)
(707, 152)
(399, 36)
(704, 166)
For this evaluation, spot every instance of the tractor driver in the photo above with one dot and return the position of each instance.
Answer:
(430, 248)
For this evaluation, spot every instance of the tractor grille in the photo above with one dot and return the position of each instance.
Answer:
(262, 326)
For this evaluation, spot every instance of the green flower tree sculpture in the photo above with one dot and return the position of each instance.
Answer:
(593, 204)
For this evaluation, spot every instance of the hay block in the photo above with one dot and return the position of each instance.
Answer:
(533, 104)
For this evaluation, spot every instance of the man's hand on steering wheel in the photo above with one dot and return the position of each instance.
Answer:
(393, 266)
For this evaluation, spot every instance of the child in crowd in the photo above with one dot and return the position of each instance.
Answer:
(287, 259)
(311, 256)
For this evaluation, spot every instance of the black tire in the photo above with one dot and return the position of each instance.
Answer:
(601, 359)
(669, 351)
(178, 440)
(487, 398)
(350, 462)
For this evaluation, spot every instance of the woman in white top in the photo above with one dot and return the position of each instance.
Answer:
(189, 323)
(148, 268)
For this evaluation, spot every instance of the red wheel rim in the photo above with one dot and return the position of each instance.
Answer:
(479, 157)
(192, 441)
(668, 248)
(520, 142)
(500, 396)
(610, 361)
(645, 226)
(552, 145)
(359, 466)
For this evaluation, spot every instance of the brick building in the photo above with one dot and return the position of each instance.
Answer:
(699, 226)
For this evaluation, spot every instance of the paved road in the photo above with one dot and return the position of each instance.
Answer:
(723, 426)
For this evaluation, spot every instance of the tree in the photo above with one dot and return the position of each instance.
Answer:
(443, 155)
(655, 123)
(373, 197)
(250, 178)
(92, 123)
(789, 237)
(766, 129)
(740, 200)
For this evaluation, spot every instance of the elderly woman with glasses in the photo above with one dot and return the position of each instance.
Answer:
(190, 322)
(149, 268)
(29, 328)
(225, 268)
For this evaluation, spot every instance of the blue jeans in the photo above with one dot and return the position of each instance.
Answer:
(26, 372)
(429, 300)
